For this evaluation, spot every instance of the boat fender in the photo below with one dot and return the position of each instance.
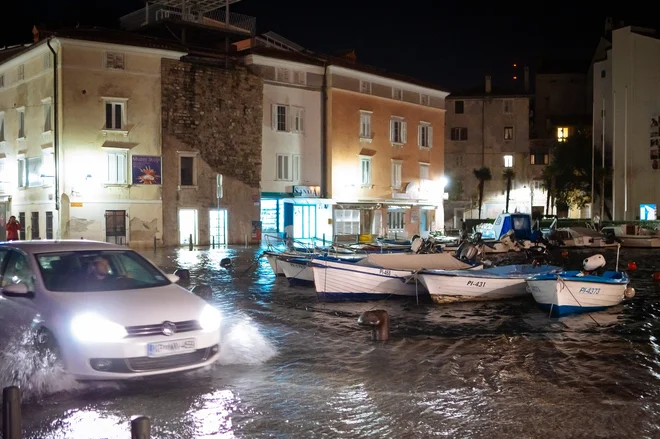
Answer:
(593, 263)
(629, 292)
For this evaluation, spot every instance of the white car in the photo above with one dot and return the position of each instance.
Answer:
(105, 311)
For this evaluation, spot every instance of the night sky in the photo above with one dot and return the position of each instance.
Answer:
(450, 46)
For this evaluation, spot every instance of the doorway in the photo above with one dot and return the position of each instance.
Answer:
(459, 217)
(304, 221)
(218, 226)
(115, 226)
(187, 226)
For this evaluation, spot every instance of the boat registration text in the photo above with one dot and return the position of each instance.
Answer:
(473, 283)
(589, 290)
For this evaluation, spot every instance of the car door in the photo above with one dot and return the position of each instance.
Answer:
(18, 313)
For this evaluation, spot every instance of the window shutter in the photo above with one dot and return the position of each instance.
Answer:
(404, 132)
(112, 168)
(392, 130)
(302, 121)
(273, 111)
(285, 166)
(430, 131)
(420, 136)
(121, 168)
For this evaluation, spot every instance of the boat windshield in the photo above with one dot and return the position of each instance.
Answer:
(80, 271)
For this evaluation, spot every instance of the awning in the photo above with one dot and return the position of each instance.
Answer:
(358, 206)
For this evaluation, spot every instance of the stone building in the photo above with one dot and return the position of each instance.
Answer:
(488, 126)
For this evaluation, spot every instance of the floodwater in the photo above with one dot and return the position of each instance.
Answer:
(292, 366)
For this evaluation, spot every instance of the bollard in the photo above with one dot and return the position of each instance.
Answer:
(190, 242)
(183, 274)
(324, 240)
(11, 413)
(155, 244)
(140, 428)
(379, 322)
(225, 262)
(202, 290)
(212, 241)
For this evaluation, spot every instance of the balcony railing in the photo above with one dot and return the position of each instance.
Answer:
(216, 18)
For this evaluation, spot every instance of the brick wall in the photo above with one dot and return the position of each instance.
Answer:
(217, 112)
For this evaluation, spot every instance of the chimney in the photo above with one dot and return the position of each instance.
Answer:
(526, 79)
(489, 87)
(35, 34)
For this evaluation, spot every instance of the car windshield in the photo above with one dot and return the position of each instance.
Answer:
(115, 270)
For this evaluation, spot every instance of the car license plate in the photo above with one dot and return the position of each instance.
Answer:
(172, 347)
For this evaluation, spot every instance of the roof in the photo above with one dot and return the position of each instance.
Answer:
(113, 36)
(496, 92)
(563, 66)
(9, 52)
(287, 55)
(52, 246)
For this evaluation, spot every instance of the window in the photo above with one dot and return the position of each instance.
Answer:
(2, 81)
(562, 134)
(365, 171)
(397, 131)
(424, 99)
(21, 220)
(279, 118)
(21, 72)
(347, 221)
(508, 161)
(114, 115)
(187, 175)
(459, 134)
(424, 171)
(48, 169)
(603, 73)
(298, 119)
(537, 158)
(2, 127)
(365, 87)
(296, 167)
(29, 172)
(18, 269)
(459, 160)
(397, 94)
(21, 173)
(116, 166)
(425, 135)
(508, 133)
(284, 167)
(21, 123)
(34, 222)
(114, 60)
(48, 117)
(365, 125)
(46, 61)
(299, 77)
(508, 106)
(459, 107)
(395, 220)
(539, 185)
(49, 225)
(283, 75)
(396, 174)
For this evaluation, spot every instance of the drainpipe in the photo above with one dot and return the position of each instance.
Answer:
(324, 131)
(56, 135)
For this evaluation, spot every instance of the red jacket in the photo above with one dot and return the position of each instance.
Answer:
(12, 231)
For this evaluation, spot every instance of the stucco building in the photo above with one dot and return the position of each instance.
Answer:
(489, 126)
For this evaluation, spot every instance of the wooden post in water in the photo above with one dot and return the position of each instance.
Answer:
(190, 243)
(11, 413)
(141, 428)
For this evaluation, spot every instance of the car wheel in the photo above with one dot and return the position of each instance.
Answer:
(47, 348)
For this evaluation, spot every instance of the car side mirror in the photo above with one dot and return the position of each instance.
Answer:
(17, 290)
(172, 278)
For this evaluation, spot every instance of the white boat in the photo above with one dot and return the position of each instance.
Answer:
(579, 237)
(569, 292)
(273, 259)
(379, 275)
(494, 283)
(298, 271)
(634, 236)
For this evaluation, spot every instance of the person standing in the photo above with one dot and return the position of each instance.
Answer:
(12, 228)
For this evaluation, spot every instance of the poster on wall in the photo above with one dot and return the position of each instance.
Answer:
(654, 141)
(256, 230)
(146, 169)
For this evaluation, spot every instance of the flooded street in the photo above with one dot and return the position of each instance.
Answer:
(292, 366)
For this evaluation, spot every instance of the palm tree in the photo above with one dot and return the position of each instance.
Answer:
(483, 175)
(508, 174)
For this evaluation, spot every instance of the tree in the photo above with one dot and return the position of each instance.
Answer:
(483, 175)
(508, 174)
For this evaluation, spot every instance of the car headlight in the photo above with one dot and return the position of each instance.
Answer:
(90, 327)
(210, 319)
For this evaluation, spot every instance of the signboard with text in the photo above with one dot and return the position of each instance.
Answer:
(307, 191)
(146, 169)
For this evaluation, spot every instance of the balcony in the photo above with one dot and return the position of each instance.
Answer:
(212, 15)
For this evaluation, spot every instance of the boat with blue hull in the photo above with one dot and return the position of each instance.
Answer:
(580, 291)
(504, 282)
(298, 271)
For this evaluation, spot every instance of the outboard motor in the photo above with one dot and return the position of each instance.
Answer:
(417, 244)
(593, 263)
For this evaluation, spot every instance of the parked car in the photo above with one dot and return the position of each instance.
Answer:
(105, 311)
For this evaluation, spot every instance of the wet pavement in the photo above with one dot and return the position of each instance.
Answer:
(292, 366)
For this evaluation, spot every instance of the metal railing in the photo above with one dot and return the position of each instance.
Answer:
(215, 18)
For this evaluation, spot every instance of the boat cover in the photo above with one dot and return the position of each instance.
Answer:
(404, 261)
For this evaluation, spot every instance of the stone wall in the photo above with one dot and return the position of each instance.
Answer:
(216, 112)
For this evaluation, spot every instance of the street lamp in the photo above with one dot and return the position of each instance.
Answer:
(444, 182)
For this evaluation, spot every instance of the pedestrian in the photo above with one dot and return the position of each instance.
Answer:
(12, 229)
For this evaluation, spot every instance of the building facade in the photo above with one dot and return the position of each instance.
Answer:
(81, 144)
(292, 202)
(489, 127)
(385, 153)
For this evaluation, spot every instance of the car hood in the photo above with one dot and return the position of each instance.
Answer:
(145, 306)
